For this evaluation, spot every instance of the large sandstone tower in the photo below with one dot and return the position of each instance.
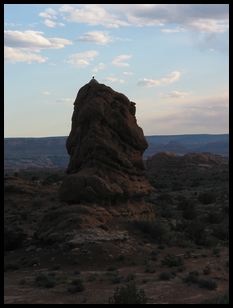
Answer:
(105, 147)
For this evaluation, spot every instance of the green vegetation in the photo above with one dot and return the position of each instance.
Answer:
(221, 299)
(209, 284)
(207, 197)
(44, 280)
(165, 276)
(76, 286)
(172, 261)
(128, 294)
(156, 230)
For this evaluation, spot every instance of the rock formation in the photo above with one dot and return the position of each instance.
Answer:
(105, 147)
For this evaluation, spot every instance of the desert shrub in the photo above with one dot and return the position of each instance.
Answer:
(207, 270)
(130, 277)
(13, 238)
(214, 217)
(190, 212)
(165, 198)
(209, 284)
(184, 203)
(172, 261)
(11, 267)
(192, 277)
(165, 276)
(111, 269)
(221, 231)
(92, 277)
(221, 299)
(45, 280)
(128, 294)
(216, 251)
(22, 282)
(207, 197)
(75, 286)
(195, 231)
(149, 268)
(120, 258)
(157, 230)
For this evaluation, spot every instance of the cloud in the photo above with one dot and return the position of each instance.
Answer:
(120, 60)
(64, 100)
(98, 37)
(176, 94)
(197, 114)
(170, 78)
(197, 17)
(92, 15)
(113, 79)
(24, 46)
(82, 59)
(46, 93)
(14, 55)
(128, 73)
(99, 67)
(172, 30)
(48, 13)
(33, 40)
(50, 17)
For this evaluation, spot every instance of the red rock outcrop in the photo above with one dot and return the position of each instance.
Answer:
(105, 147)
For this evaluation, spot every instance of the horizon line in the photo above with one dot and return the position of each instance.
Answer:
(189, 134)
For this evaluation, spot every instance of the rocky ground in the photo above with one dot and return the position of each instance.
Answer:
(173, 246)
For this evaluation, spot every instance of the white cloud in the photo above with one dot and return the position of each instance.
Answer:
(99, 67)
(33, 40)
(172, 30)
(14, 55)
(196, 114)
(48, 13)
(24, 46)
(64, 100)
(50, 23)
(46, 93)
(50, 17)
(98, 37)
(176, 94)
(198, 17)
(128, 73)
(120, 60)
(91, 14)
(209, 25)
(170, 78)
(113, 79)
(82, 59)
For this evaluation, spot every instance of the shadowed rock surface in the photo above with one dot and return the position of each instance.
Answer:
(105, 147)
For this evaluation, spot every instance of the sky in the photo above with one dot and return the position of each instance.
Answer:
(172, 60)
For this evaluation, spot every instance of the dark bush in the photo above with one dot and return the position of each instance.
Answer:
(172, 261)
(207, 197)
(207, 284)
(13, 238)
(75, 286)
(192, 277)
(165, 276)
(221, 299)
(45, 280)
(157, 230)
(128, 294)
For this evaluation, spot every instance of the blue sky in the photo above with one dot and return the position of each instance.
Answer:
(171, 60)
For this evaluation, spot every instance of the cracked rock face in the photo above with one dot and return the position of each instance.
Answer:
(105, 147)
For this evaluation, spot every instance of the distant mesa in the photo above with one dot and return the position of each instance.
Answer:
(105, 147)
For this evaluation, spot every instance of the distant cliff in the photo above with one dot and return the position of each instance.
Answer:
(50, 152)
